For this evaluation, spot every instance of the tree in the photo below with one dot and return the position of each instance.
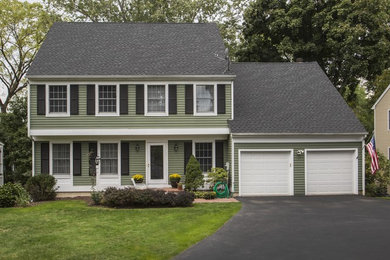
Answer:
(378, 86)
(226, 13)
(376, 184)
(17, 145)
(23, 27)
(349, 39)
(194, 176)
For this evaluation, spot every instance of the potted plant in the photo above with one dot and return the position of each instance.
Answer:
(180, 186)
(174, 179)
(138, 178)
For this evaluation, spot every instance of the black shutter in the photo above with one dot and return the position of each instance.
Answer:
(74, 99)
(90, 99)
(124, 103)
(189, 96)
(219, 154)
(92, 156)
(172, 99)
(221, 101)
(139, 96)
(41, 100)
(76, 159)
(187, 153)
(45, 158)
(124, 158)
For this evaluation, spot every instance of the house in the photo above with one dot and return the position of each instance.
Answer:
(382, 123)
(118, 99)
(1, 163)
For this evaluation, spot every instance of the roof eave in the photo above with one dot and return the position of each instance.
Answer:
(298, 134)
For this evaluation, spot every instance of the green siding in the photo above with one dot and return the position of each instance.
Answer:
(37, 158)
(176, 159)
(137, 162)
(133, 121)
(84, 179)
(299, 160)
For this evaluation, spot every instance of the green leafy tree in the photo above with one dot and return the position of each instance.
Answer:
(349, 39)
(23, 27)
(377, 184)
(17, 145)
(194, 176)
(378, 86)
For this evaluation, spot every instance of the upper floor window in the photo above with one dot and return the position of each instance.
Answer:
(58, 103)
(107, 99)
(109, 159)
(157, 100)
(61, 159)
(205, 101)
(204, 155)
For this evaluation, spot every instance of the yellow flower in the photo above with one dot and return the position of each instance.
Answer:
(138, 177)
(175, 176)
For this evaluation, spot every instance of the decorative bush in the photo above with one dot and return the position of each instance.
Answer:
(97, 197)
(194, 176)
(13, 194)
(138, 178)
(217, 174)
(129, 197)
(41, 187)
(208, 195)
(376, 184)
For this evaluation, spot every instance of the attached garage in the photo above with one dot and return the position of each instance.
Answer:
(331, 172)
(266, 173)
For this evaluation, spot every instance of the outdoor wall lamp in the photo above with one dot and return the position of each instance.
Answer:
(97, 160)
(137, 147)
(176, 148)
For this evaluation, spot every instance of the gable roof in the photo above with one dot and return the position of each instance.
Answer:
(381, 96)
(286, 97)
(109, 49)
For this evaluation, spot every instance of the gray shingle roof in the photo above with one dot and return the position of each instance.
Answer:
(288, 98)
(130, 49)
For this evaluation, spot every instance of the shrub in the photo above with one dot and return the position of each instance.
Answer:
(13, 194)
(41, 187)
(129, 197)
(376, 184)
(217, 174)
(97, 197)
(194, 175)
(208, 195)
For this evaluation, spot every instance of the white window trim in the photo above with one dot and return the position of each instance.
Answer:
(388, 118)
(215, 100)
(62, 176)
(47, 100)
(146, 100)
(97, 113)
(109, 176)
(194, 142)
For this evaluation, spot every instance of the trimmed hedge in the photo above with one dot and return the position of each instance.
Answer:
(208, 195)
(130, 197)
(13, 194)
(41, 187)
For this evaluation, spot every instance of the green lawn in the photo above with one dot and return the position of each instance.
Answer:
(73, 230)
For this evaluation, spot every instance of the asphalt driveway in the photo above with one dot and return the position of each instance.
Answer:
(326, 227)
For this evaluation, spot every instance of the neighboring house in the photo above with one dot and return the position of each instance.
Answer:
(382, 123)
(1, 164)
(141, 98)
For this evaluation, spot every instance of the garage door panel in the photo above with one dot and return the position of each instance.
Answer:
(330, 172)
(265, 173)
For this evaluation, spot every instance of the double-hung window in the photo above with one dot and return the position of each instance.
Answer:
(108, 159)
(157, 100)
(108, 99)
(58, 102)
(205, 100)
(61, 159)
(204, 155)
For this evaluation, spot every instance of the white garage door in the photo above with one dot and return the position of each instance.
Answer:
(265, 173)
(331, 172)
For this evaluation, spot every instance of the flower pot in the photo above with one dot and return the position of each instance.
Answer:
(174, 184)
(180, 186)
(138, 181)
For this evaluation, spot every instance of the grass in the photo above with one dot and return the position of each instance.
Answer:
(72, 230)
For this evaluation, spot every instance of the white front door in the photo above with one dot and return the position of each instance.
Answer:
(157, 163)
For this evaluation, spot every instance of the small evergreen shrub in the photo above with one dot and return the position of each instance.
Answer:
(13, 194)
(194, 176)
(97, 197)
(130, 197)
(41, 187)
(208, 195)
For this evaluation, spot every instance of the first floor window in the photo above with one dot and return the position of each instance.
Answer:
(61, 159)
(58, 99)
(205, 98)
(109, 159)
(204, 155)
(156, 98)
(107, 99)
